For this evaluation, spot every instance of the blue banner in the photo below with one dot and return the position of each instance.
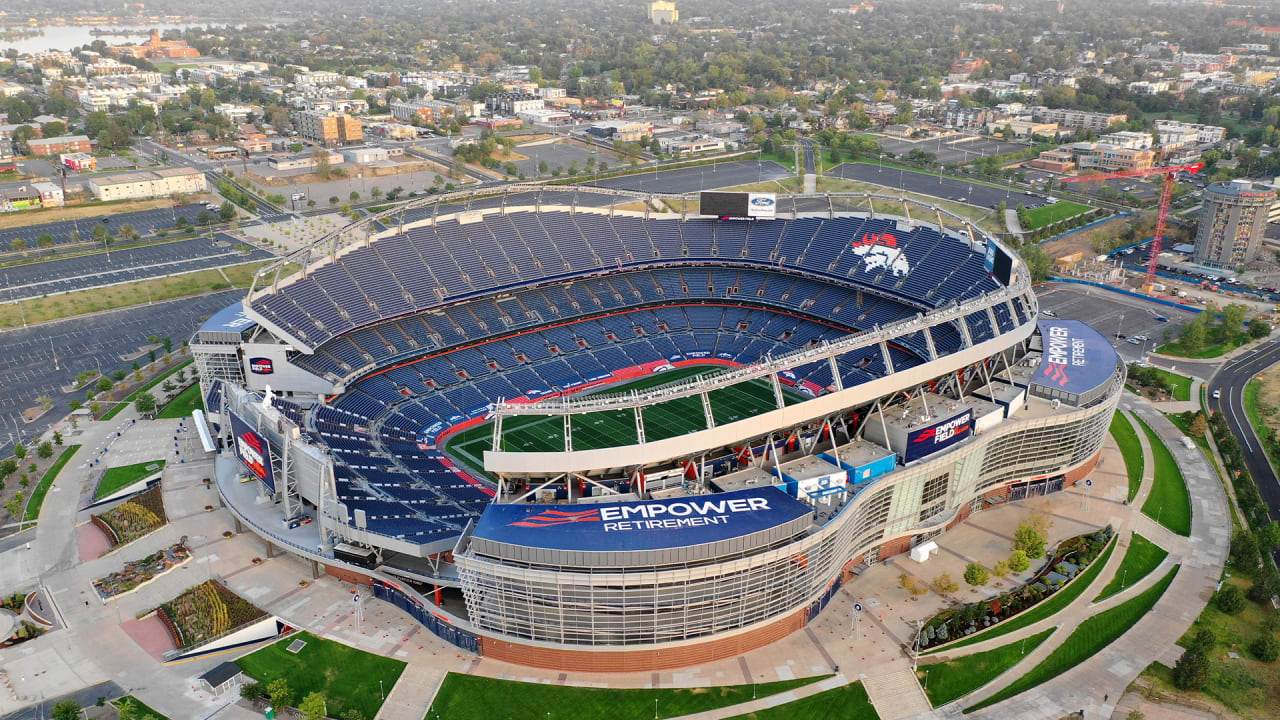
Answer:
(938, 436)
(651, 525)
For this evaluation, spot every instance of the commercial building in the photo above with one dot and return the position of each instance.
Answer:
(662, 12)
(624, 130)
(1232, 220)
(1207, 134)
(151, 184)
(78, 161)
(1098, 122)
(431, 112)
(1097, 156)
(513, 103)
(329, 129)
(1127, 139)
(50, 194)
(1060, 160)
(63, 144)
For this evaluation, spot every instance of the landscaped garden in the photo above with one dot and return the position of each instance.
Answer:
(1158, 384)
(1131, 449)
(204, 612)
(470, 697)
(949, 680)
(1169, 503)
(131, 708)
(183, 404)
(141, 571)
(132, 519)
(1072, 567)
(125, 475)
(32, 513)
(1141, 557)
(1085, 641)
(347, 677)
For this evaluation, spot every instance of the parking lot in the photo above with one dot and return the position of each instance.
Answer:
(694, 179)
(939, 186)
(144, 221)
(40, 359)
(559, 155)
(952, 149)
(1110, 313)
(138, 263)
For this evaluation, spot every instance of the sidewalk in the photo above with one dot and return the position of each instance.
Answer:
(1097, 685)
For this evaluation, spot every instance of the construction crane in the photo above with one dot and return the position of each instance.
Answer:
(1162, 216)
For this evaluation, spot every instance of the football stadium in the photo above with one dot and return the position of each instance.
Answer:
(604, 430)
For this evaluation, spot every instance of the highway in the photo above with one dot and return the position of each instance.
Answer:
(1231, 379)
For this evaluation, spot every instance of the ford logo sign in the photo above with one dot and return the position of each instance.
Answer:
(762, 202)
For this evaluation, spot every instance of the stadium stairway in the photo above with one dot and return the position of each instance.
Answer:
(897, 695)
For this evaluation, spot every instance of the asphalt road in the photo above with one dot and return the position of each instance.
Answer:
(136, 263)
(143, 221)
(84, 697)
(1231, 379)
(943, 187)
(39, 359)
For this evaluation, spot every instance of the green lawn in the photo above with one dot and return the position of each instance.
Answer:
(1043, 609)
(150, 384)
(786, 157)
(1085, 641)
(849, 702)
(1254, 412)
(470, 697)
(540, 433)
(1181, 384)
(140, 709)
(1169, 502)
(1218, 343)
(1141, 558)
(183, 404)
(1130, 449)
(1050, 214)
(954, 679)
(125, 475)
(32, 513)
(348, 677)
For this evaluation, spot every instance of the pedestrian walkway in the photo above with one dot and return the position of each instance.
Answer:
(897, 694)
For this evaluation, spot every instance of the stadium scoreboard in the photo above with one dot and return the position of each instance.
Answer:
(738, 204)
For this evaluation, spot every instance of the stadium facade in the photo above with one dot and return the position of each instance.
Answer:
(874, 379)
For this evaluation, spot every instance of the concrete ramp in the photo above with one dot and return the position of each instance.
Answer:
(897, 695)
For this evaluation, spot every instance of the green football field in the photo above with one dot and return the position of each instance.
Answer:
(612, 428)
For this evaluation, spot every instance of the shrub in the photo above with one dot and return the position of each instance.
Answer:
(943, 584)
(1203, 641)
(1265, 648)
(1230, 600)
(253, 691)
(1029, 540)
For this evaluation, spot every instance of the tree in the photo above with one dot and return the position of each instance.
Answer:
(1259, 329)
(53, 129)
(66, 710)
(103, 384)
(376, 192)
(226, 211)
(101, 234)
(1000, 569)
(975, 573)
(20, 451)
(253, 691)
(128, 232)
(1191, 670)
(146, 403)
(204, 217)
(542, 167)
(57, 438)
(1266, 648)
(1268, 537)
(45, 450)
(1203, 641)
(943, 584)
(333, 200)
(1199, 425)
(1028, 540)
(1230, 600)
(1233, 317)
(1018, 561)
(279, 692)
(45, 240)
(313, 706)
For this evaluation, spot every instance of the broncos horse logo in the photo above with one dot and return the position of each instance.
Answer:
(880, 250)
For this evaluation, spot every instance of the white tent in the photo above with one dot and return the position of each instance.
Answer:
(921, 552)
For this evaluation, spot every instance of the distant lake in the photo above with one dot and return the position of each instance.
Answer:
(65, 37)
